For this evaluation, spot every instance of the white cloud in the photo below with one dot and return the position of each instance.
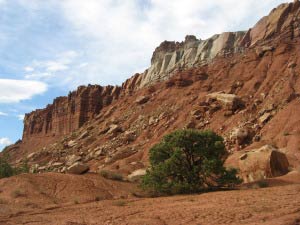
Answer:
(29, 69)
(21, 117)
(121, 35)
(5, 141)
(13, 91)
(3, 114)
(50, 69)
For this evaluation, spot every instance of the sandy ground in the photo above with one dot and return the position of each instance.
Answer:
(272, 205)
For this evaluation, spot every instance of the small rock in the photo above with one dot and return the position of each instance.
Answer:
(137, 174)
(114, 128)
(264, 118)
(78, 168)
(71, 159)
(83, 135)
(142, 100)
(57, 164)
(71, 144)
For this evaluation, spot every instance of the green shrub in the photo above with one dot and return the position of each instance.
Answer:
(24, 168)
(6, 170)
(188, 161)
(263, 184)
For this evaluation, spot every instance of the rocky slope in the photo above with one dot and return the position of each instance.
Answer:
(243, 85)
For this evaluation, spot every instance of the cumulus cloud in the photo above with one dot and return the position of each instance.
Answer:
(121, 35)
(21, 117)
(49, 70)
(3, 114)
(5, 141)
(13, 91)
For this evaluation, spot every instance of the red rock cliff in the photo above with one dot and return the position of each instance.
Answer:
(67, 114)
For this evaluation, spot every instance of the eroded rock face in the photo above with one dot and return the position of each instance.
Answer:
(67, 114)
(170, 56)
(259, 164)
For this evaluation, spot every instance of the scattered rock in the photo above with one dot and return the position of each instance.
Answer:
(292, 65)
(265, 118)
(142, 100)
(240, 135)
(78, 168)
(57, 164)
(71, 144)
(83, 135)
(114, 128)
(71, 159)
(136, 175)
(230, 101)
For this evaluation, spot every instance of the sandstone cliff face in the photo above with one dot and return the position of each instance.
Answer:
(171, 56)
(67, 114)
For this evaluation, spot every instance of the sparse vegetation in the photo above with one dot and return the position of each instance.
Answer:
(17, 193)
(6, 170)
(188, 161)
(119, 203)
(2, 201)
(111, 175)
(263, 184)
(98, 198)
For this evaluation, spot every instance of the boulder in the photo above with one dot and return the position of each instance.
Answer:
(142, 100)
(71, 159)
(258, 164)
(230, 101)
(71, 144)
(78, 168)
(114, 128)
(265, 118)
(136, 175)
(83, 135)
(240, 135)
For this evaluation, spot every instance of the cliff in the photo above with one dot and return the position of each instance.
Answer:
(67, 114)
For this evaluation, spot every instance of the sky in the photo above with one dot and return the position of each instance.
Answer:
(48, 48)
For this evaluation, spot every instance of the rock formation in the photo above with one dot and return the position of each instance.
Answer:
(67, 114)
(244, 85)
(258, 164)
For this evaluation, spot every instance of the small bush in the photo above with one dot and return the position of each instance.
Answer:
(17, 193)
(6, 170)
(2, 201)
(119, 203)
(111, 175)
(188, 161)
(263, 184)
(98, 198)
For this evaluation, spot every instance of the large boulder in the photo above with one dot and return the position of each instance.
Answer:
(240, 135)
(78, 168)
(230, 101)
(258, 164)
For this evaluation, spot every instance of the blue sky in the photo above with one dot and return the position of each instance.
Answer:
(48, 48)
